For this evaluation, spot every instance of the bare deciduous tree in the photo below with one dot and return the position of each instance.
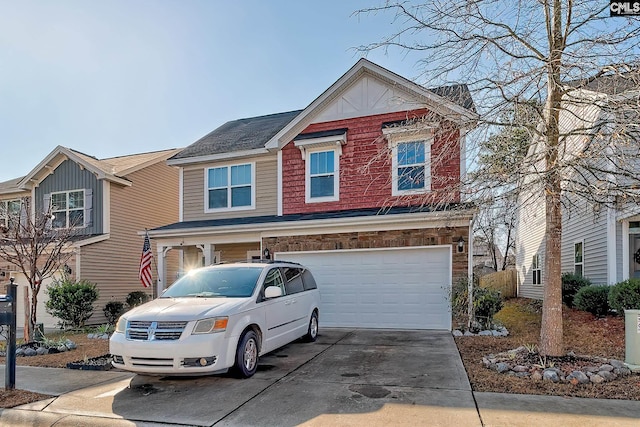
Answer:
(28, 241)
(571, 58)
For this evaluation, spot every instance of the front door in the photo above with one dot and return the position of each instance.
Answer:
(634, 262)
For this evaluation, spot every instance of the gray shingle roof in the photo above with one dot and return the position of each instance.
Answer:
(609, 84)
(254, 132)
(458, 94)
(238, 135)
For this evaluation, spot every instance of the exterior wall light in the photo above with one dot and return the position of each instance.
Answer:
(266, 253)
(460, 244)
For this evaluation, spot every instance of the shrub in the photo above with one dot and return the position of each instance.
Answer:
(594, 299)
(625, 295)
(571, 284)
(112, 311)
(71, 301)
(136, 298)
(486, 303)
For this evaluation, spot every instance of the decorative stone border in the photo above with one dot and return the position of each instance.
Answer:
(594, 370)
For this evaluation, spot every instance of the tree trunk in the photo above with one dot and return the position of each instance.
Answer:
(551, 328)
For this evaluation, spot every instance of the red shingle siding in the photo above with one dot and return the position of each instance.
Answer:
(369, 187)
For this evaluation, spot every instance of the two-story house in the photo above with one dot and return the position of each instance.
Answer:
(361, 186)
(600, 238)
(106, 201)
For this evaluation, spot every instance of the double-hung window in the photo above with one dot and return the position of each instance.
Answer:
(322, 176)
(578, 257)
(9, 211)
(536, 270)
(230, 187)
(411, 159)
(321, 153)
(67, 208)
(411, 169)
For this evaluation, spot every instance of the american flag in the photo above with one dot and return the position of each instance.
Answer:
(145, 263)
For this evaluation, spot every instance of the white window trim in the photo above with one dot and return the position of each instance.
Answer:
(229, 208)
(67, 210)
(574, 256)
(336, 175)
(400, 135)
(538, 268)
(313, 145)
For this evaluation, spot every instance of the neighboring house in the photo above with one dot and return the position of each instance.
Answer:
(598, 241)
(379, 230)
(107, 201)
(483, 257)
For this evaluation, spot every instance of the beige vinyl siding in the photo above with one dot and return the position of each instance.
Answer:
(266, 190)
(236, 251)
(151, 201)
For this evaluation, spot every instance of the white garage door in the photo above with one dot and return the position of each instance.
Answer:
(403, 288)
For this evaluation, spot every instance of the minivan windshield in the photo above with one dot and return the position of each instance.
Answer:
(217, 282)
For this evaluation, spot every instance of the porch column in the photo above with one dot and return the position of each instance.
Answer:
(161, 270)
(208, 249)
(626, 268)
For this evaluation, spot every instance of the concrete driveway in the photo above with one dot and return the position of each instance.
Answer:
(348, 378)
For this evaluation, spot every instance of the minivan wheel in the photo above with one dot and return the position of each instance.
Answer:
(312, 332)
(247, 355)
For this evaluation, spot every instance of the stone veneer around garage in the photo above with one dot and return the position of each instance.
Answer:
(378, 239)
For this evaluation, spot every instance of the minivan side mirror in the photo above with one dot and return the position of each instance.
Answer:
(272, 292)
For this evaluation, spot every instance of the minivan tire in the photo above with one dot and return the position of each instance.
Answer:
(247, 355)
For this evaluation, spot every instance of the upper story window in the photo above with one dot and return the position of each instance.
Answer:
(578, 257)
(321, 152)
(322, 176)
(9, 210)
(411, 171)
(536, 270)
(411, 157)
(230, 187)
(68, 209)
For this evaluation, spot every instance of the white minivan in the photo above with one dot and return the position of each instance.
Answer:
(218, 318)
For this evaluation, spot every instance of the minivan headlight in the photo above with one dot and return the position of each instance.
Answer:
(211, 325)
(121, 326)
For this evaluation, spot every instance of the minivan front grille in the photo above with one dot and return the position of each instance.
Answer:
(154, 331)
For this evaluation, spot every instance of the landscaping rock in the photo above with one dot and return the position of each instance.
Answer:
(502, 367)
(42, 350)
(550, 375)
(29, 352)
(577, 370)
(578, 377)
(457, 333)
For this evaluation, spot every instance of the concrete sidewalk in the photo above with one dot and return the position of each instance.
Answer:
(347, 378)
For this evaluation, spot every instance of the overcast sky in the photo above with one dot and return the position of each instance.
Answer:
(110, 78)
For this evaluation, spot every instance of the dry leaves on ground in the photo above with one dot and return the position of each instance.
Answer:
(584, 334)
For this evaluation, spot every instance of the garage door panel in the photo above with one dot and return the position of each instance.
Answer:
(388, 288)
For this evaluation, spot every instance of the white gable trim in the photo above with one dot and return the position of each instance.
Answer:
(424, 96)
(59, 154)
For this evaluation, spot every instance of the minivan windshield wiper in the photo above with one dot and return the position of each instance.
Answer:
(206, 295)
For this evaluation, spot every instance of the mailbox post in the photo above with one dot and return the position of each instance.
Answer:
(8, 317)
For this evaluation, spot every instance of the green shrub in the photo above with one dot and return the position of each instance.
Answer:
(571, 284)
(594, 299)
(71, 301)
(625, 295)
(486, 303)
(136, 298)
(112, 311)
